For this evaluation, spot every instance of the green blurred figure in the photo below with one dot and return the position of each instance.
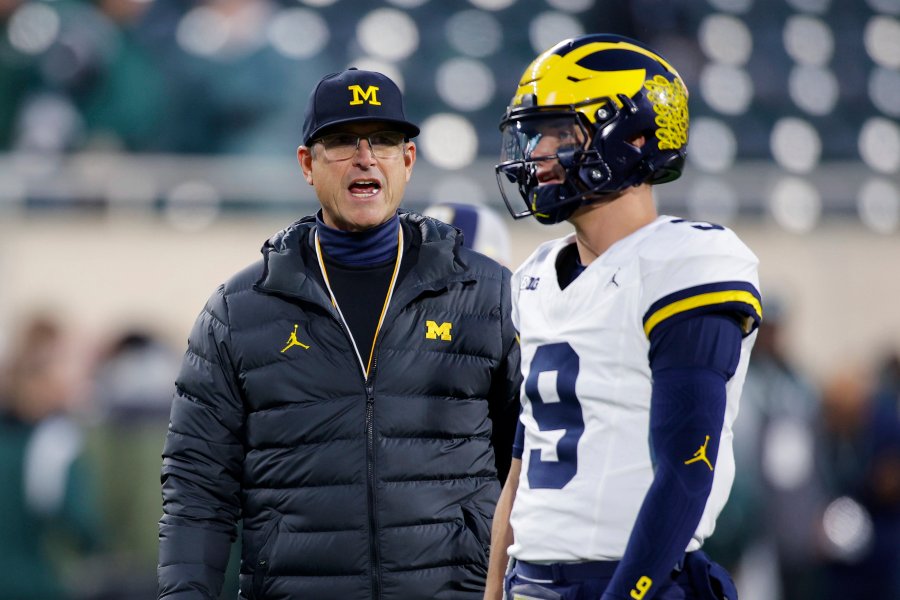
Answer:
(46, 498)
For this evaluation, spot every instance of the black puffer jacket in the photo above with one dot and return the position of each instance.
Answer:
(348, 489)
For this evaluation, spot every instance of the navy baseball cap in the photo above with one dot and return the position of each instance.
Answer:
(354, 95)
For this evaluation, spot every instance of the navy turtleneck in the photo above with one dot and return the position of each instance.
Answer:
(359, 248)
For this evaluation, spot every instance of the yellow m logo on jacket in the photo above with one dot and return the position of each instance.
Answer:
(368, 95)
(434, 331)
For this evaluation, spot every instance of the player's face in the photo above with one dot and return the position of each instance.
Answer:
(362, 190)
(554, 136)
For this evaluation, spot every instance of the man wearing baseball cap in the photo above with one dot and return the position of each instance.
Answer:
(351, 396)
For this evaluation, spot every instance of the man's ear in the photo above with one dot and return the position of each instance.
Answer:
(305, 158)
(409, 158)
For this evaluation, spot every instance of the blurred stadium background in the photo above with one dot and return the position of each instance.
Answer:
(147, 151)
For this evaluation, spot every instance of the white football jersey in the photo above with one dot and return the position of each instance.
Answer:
(586, 463)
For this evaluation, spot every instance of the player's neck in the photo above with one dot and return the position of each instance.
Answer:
(599, 226)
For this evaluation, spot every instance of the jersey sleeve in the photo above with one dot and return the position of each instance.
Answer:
(695, 270)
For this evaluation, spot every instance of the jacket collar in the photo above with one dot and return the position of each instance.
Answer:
(289, 261)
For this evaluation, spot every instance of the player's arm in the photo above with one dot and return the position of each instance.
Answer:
(691, 360)
(502, 533)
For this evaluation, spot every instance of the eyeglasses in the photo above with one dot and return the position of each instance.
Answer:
(341, 146)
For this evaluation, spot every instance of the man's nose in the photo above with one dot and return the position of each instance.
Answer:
(546, 167)
(363, 153)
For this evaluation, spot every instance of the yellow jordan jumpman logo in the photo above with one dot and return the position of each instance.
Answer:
(293, 341)
(700, 455)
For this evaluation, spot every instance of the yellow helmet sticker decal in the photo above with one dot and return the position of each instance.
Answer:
(669, 99)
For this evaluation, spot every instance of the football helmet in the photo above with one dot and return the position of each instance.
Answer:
(571, 132)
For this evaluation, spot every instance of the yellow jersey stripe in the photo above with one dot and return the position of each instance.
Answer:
(699, 300)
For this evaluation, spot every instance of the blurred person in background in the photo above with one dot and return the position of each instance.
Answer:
(132, 392)
(133, 377)
(861, 525)
(482, 228)
(352, 395)
(888, 378)
(47, 500)
(770, 523)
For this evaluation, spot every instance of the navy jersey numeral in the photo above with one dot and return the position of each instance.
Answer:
(701, 225)
(562, 412)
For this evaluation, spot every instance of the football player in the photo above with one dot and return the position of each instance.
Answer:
(635, 334)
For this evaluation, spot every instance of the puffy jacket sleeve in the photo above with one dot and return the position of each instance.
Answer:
(504, 398)
(202, 463)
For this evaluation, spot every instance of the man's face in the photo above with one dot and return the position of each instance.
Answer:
(363, 190)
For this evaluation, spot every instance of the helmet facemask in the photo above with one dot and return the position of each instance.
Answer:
(539, 149)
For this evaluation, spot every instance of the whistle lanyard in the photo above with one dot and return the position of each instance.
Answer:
(387, 300)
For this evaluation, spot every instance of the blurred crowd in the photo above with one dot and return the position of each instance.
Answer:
(814, 513)
(231, 76)
(110, 75)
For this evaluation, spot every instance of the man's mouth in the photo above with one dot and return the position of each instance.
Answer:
(363, 188)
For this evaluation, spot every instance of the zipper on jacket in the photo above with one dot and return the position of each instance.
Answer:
(370, 490)
(374, 557)
(368, 382)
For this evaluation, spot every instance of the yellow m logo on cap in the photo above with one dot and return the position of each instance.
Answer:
(360, 96)
(435, 331)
